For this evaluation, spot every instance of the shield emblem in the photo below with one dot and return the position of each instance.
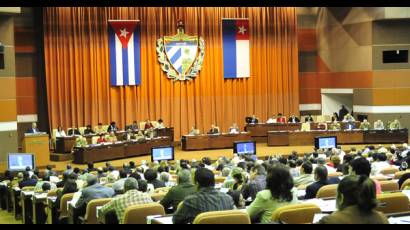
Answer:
(181, 54)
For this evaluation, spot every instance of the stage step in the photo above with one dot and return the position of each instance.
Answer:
(58, 157)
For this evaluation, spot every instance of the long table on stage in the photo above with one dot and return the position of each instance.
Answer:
(65, 144)
(296, 138)
(118, 150)
(259, 132)
(212, 141)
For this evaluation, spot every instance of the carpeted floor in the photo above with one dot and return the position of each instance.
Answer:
(8, 218)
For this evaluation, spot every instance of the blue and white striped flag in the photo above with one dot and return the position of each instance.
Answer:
(124, 45)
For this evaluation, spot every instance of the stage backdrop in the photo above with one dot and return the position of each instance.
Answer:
(78, 81)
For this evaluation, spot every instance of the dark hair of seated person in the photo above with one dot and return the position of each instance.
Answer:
(123, 174)
(136, 176)
(361, 166)
(357, 191)
(70, 186)
(150, 175)
(321, 173)
(236, 197)
(90, 165)
(283, 161)
(46, 187)
(76, 170)
(142, 186)
(204, 178)
(307, 167)
(280, 182)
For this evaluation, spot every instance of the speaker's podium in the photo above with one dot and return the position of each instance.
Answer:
(37, 144)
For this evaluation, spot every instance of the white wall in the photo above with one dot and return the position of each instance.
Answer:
(333, 102)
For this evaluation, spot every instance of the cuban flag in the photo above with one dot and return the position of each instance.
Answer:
(124, 45)
(235, 36)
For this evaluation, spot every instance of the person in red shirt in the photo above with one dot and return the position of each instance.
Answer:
(281, 118)
(148, 125)
(101, 139)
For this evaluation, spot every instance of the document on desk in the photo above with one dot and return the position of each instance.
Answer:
(327, 206)
(399, 220)
(407, 193)
(318, 217)
(159, 219)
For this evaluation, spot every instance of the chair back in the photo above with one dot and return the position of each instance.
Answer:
(52, 193)
(223, 217)
(388, 186)
(399, 174)
(219, 180)
(405, 184)
(389, 171)
(28, 189)
(137, 214)
(91, 213)
(296, 214)
(327, 191)
(335, 174)
(63, 204)
(393, 203)
(158, 196)
(94, 140)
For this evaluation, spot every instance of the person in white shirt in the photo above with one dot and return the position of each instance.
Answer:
(379, 125)
(380, 163)
(60, 132)
(234, 129)
(160, 124)
(321, 161)
(349, 118)
(271, 120)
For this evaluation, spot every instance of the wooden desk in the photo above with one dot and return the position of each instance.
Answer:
(39, 146)
(286, 138)
(52, 212)
(220, 141)
(119, 150)
(26, 207)
(39, 205)
(15, 201)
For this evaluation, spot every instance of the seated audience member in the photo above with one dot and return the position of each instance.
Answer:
(257, 182)
(395, 125)
(91, 168)
(73, 131)
(112, 128)
(60, 132)
(27, 181)
(151, 176)
(378, 125)
(380, 163)
(118, 186)
(336, 163)
(70, 186)
(214, 130)
(356, 203)
(237, 199)
(306, 177)
(239, 182)
(205, 200)
(208, 163)
(321, 161)
(294, 172)
(279, 192)
(49, 172)
(89, 130)
(101, 139)
(131, 197)
(234, 129)
(178, 193)
(165, 177)
(93, 191)
(112, 138)
(194, 131)
(321, 180)
(281, 118)
(271, 120)
(361, 167)
(99, 129)
(69, 169)
(309, 118)
(63, 181)
(160, 124)
(45, 183)
(365, 125)
(293, 119)
(142, 186)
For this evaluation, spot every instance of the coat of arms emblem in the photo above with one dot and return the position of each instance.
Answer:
(181, 55)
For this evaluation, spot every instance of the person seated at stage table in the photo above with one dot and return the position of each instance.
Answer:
(335, 126)
(253, 120)
(73, 131)
(194, 131)
(112, 138)
(139, 136)
(60, 132)
(89, 130)
(206, 199)
(134, 127)
(349, 118)
(148, 125)
(234, 129)
(293, 119)
(395, 125)
(365, 125)
(271, 120)
(101, 139)
(322, 126)
(309, 118)
(281, 118)
(128, 135)
(160, 124)
(99, 129)
(112, 128)
(214, 130)
(379, 125)
(81, 142)
(356, 203)
(335, 117)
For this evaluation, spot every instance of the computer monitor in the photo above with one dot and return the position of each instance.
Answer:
(162, 153)
(20, 161)
(245, 147)
(325, 142)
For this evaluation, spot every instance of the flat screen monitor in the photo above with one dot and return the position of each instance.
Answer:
(325, 142)
(162, 153)
(242, 148)
(20, 161)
